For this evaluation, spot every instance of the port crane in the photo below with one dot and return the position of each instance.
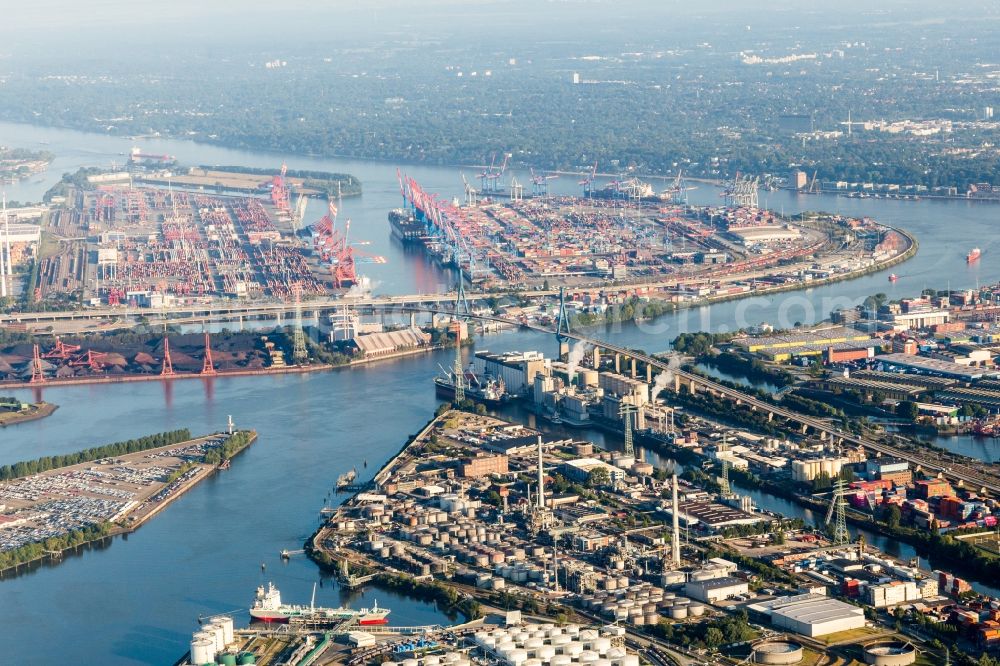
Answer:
(471, 195)
(588, 181)
(493, 176)
(279, 189)
(540, 183)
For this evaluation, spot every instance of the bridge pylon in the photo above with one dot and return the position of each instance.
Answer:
(562, 326)
(461, 302)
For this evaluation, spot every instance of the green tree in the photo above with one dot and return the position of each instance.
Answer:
(598, 477)
(892, 516)
(714, 637)
(907, 409)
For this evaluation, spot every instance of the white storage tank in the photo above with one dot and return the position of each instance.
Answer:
(601, 645)
(561, 660)
(587, 657)
(220, 636)
(546, 652)
(517, 656)
(226, 622)
(696, 610)
(678, 613)
(572, 649)
(202, 651)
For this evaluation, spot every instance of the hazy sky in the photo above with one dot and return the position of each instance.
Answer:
(69, 29)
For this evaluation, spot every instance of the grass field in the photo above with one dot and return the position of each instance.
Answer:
(988, 542)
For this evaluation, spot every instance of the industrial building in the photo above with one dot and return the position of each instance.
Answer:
(484, 465)
(377, 345)
(782, 347)
(935, 366)
(716, 589)
(516, 369)
(580, 469)
(810, 614)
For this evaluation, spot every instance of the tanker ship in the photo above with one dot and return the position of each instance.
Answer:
(267, 607)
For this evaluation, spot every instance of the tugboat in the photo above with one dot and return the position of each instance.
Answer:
(267, 607)
(973, 256)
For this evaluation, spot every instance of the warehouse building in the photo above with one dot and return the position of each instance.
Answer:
(716, 589)
(810, 614)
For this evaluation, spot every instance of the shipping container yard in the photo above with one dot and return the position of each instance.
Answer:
(152, 246)
(531, 241)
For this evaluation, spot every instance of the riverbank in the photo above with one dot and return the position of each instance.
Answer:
(39, 410)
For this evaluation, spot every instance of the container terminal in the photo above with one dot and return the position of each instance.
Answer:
(621, 237)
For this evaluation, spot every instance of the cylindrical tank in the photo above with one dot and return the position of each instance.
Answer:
(202, 651)
(516, 656)
(587, 657)
(561, 660)
(652, 619)
(628, 660)
(247, 658)
(696, 610)
(220, 635)
(601, 645)
(678, 612)
(778, 652)
(226, 659)
(432, 660)
(545, 653)
(226, 622)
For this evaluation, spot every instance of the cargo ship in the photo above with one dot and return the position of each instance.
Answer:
(973, 256)
(488, 390)
(267, 607)
(406, 227)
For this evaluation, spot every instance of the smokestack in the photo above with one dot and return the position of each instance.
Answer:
(541, 478)
(675, 539)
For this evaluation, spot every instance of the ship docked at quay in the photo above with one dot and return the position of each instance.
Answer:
(267, 607)
(485, 389)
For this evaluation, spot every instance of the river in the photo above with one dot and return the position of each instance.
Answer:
(136, 602)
